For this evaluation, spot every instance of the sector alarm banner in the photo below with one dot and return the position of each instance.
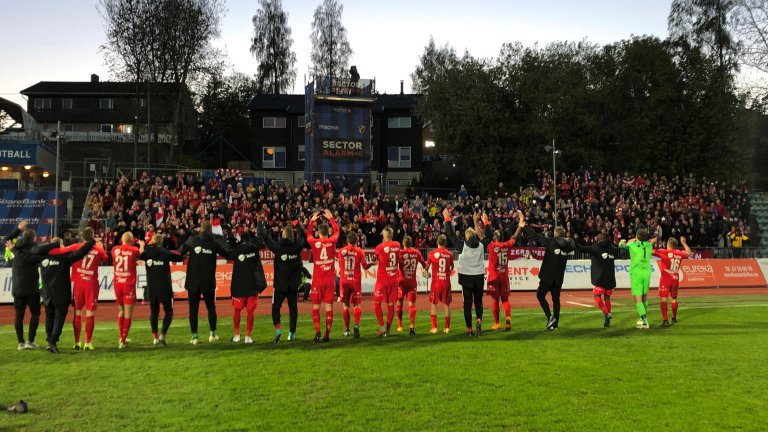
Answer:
(341, 138)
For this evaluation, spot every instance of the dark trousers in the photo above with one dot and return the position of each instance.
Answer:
(21, 303)
(154, 314)
(292, 294)
(209, 297)
(55, 317)
(541, 294)
(472, 289)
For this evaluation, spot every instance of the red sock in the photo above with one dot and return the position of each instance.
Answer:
(379, 313)
(664, 311)
(674, 309)
(448, 322)
(88, 329)
(390, 315)
(126, 329)
(249, 322)
(412, 315)
(154, 335)
(328, 323)
(399, 315)
(434, 321)
(120, 323)
(236, 321)
(608, 305)
(507, 308)
(345, 316)
(495, 310)
(316, 319)
(600, 304)
(278, 327)
(77, 325)
(358, 313)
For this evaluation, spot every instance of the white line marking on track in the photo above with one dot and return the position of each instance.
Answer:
(580, 304)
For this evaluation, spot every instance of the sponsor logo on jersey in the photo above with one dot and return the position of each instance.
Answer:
(241, 257)
(318, 244)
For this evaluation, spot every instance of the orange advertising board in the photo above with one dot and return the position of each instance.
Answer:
(223, 279)
(721, 273)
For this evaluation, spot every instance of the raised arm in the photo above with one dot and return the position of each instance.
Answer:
(450, 232)
(19, 229)
(538, 238)
(77, 255)
(684, 242)
(334, 225)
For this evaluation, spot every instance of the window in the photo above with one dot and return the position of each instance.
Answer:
(106, 104)
(273, 123)
(142, 102)
(66, 104)
(399, 157)
(68, 128)
(399, 122)
(273, 157)
(302, 152)
(301, 121)
(106, 128)
(42, 104)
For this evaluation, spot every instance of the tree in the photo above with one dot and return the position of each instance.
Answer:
(271, 46)
(330, 49)
(705, 24)
(162, 41)
(751, 30)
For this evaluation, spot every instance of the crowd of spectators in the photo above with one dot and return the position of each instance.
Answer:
(709, 213)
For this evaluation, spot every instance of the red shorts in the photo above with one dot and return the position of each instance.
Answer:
(669, 288)
(86, 296)
(407, 288)
(498, 287)
(385, 291)
(125, 295)
(322, 291)
(248, 303)
(440, 293)
(600, 291)
(351, 292)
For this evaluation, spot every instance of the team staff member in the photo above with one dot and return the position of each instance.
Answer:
(159, 289)
(288, 274)
(248, 281)
(603, 253)
(201, 277)
(26, 282)
(57, 286)
(552, 270)
(124, 261)
(471, 269)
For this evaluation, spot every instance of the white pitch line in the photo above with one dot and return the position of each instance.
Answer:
(580, 304)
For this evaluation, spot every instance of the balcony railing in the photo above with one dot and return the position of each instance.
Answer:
(117, 137)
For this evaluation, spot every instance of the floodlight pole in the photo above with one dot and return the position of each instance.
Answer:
(554, 180)
(55, 228)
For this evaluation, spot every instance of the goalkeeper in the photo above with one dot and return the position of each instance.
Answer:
(640, 252)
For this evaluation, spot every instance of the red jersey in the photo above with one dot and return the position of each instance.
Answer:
(669, 263)
(124, 259)
(409, 259)
(498, 256)
(387, 253)
(441, 261)
(351, 258)
(323, 253)
(86, 271)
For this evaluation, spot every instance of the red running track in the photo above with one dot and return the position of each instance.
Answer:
(107, 311)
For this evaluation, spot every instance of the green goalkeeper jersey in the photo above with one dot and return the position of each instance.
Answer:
(640, 253)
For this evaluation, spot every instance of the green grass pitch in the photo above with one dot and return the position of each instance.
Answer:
(708, 372)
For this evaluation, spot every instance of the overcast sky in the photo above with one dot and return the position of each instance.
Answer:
(58, 40)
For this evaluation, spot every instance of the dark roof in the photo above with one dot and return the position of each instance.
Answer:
(395, 102)
(272, 102)
(295, 103)
(88, 87)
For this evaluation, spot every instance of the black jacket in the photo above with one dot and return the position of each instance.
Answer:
(54, 268)
(555, 256)
(24, 272)
(156, 262)
(603, 255)
(246, 268)
(201, 267)
(288, 262)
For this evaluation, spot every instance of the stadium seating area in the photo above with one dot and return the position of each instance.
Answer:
(705, 211)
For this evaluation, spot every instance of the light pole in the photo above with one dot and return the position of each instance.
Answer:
(55, 229)
(555, 152)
